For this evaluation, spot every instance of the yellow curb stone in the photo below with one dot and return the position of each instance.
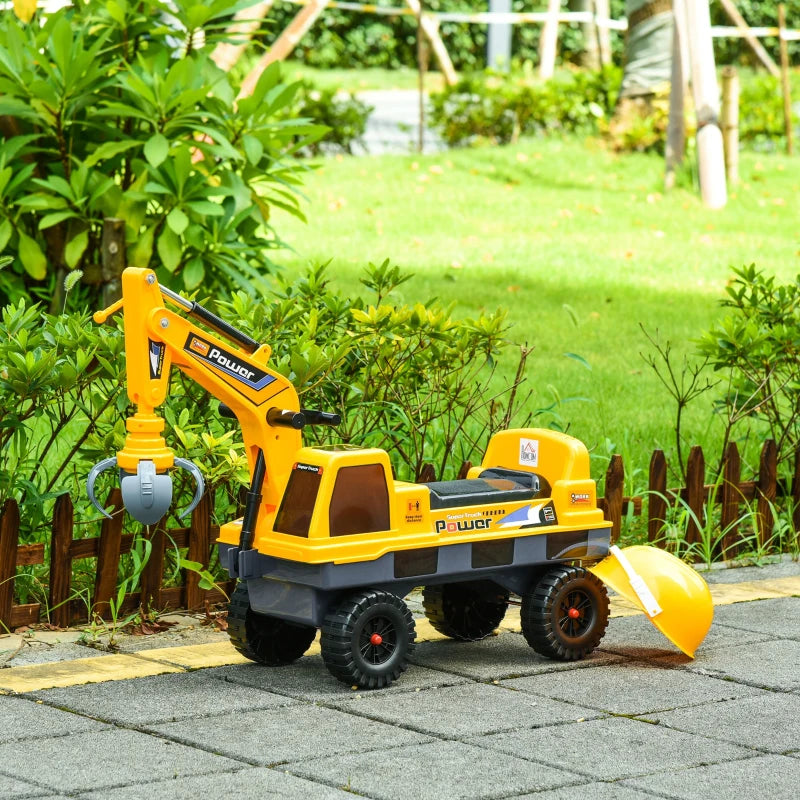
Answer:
(33, 677)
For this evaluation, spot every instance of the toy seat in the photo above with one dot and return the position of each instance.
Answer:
(496, 485)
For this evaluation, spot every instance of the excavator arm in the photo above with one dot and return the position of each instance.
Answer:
(230, 365)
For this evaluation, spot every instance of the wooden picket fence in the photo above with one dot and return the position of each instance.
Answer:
(64, 608)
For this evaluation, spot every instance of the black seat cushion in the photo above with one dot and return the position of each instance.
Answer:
(477, 491)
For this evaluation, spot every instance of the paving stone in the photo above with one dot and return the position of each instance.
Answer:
(309, 679)
(488, 709)
(632, 688)
(247, 784)
(635, 637)
(24, 719)
(770, 665)
(116, 757)
(289, 734)
(506, 655)
(779, 617)
(11, 787)
(435, 771)
(590, 791)
(44, 653)
(770, 721)
(152, 699)
(761, 778)
(610, 749)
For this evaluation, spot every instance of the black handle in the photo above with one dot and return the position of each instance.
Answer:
(321, 417)
(220, 326)
(226, 411)
(286, 418)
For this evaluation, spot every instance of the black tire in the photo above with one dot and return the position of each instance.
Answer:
(367, 638)
(468, 611)
(266, 640)
(565, 615)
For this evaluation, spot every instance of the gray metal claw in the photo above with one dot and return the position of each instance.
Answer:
(101, 466)
(200, 485)
(147, 495)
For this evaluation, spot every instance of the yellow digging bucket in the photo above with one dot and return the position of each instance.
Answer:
(672, 595)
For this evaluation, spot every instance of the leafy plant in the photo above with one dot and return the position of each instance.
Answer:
(500, 108)
(410, 379)
(755, 346)
(114, 109)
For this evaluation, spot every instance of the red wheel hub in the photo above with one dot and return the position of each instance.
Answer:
(573, 613)
(375, 639)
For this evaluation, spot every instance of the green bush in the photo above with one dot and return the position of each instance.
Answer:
(114, 109)
(500, 108)
(343, 114)
(756, 350)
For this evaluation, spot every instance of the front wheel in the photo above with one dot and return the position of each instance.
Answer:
(565, 615)
(367, 638)
(264, 639)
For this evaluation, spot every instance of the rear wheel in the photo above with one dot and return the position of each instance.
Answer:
(468, 611)
(565, 615)
(367, 638)
(267, 640)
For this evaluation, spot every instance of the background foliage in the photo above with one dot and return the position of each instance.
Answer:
(114, 109)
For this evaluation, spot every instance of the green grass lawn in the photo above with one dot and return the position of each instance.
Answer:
(579, 245)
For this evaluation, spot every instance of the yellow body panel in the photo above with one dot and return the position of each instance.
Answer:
(564, 463)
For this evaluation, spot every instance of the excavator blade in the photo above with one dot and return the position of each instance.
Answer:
(147, 495)
(672, 595)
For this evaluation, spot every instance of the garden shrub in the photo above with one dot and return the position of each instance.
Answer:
(342, 113)
(500, 108)
(755, 349)
(115, 110)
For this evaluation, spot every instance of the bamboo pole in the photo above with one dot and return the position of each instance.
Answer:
(710, 154)
(676, 129)
(285, 43)
(730, 123)
(602, 10)
(756, 46)
(245, 24)
(430, 27)
(787, 92)
(549, 41)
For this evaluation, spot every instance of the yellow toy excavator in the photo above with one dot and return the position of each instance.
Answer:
(329, 540)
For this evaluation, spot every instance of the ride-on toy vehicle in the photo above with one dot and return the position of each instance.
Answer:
(329, 540)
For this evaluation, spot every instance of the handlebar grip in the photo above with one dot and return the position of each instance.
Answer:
(286, 418)
(321, 417)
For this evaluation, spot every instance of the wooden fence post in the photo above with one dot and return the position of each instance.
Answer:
(9, 537)
(767, 490)
(465, 468)
(108, 554)
(657, 498)
(695, 493)
(199, 549)
(731, 497)
(153, 572)
(61, 562)
(615, 478)
(426, 474)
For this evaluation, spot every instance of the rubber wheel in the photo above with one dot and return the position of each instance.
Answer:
(565, 615)
(267, 640)
(367, 638)
(466, 611)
